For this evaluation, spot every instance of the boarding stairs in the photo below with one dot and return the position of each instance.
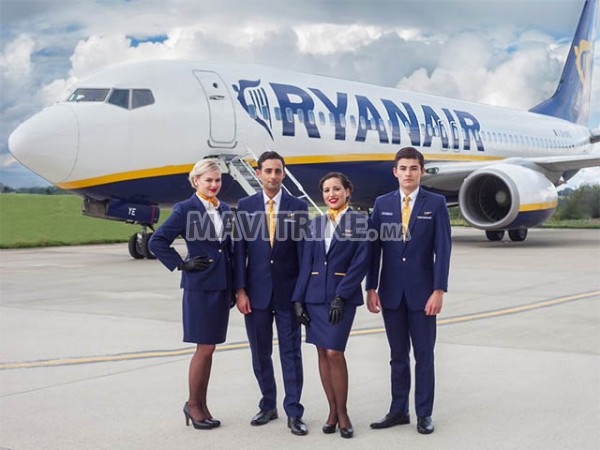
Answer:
(240, 168)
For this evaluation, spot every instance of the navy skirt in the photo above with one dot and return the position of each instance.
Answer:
(205, 316)
(324, 335)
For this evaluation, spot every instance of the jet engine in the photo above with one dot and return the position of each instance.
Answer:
(507, 197)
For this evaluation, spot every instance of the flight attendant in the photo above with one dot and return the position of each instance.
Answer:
(206, 278)
(335, 260)
(410, 286)
(267, 261)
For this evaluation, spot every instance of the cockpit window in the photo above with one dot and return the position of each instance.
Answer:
(88, 95)
(119, 97)
(141, 97)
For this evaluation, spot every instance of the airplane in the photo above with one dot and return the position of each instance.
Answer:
(127, 136)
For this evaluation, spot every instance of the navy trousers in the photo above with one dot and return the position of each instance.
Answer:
(259, 326)
(402, 328)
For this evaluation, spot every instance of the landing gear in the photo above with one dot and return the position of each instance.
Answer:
(138, 245)
(518, 235)
(494, 235)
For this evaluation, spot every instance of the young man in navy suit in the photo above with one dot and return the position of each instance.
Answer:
(413, 252)
(267, 260)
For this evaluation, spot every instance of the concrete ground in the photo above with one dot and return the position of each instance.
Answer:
(91, 355)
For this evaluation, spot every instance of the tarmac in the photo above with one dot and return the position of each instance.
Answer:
(91, 355)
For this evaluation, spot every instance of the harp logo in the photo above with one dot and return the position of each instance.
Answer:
(582, 59)
(254, 100)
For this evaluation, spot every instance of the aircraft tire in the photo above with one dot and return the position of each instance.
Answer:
(518, 235)
(144, 246)
(494, 235)
(134, 248)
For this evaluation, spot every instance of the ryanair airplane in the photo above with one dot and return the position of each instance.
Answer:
(126, 138)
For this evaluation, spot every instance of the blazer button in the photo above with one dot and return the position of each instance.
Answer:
(271, 261)
(325, 263)
(220, 251)
(403, 259)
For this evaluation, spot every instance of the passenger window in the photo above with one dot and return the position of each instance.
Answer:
(141, 97)
(88, 95)
(265, 112)
(119, 97)
(277, 113)
(321, 118)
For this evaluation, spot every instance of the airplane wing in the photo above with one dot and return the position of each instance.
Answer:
(449, 176)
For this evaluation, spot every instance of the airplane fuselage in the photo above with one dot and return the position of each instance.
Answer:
(143, 155)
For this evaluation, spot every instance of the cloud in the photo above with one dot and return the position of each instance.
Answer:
(479, 51)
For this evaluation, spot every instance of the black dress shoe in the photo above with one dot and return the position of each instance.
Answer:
(390, 420)
(264, 416)
(425, 425)
(329, 428)
(346, 432)
(297, 426)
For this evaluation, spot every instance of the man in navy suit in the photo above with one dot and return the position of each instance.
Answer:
(267, 260)
(413, 251)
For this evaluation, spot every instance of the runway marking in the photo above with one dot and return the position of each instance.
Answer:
(239, 345)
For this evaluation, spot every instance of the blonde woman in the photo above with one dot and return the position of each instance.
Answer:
(206, 278)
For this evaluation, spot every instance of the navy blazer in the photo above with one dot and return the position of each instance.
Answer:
(190, 220)
(415, 268)
(263, 271)
(339, 271)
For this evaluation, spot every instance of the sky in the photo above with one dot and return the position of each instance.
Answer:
(501, 52)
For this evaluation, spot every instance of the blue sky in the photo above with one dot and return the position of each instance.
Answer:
(478, 50)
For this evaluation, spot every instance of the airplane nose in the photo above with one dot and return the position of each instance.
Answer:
(47, 143)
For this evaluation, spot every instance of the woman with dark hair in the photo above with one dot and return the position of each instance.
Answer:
(206, 278)
(328, 290)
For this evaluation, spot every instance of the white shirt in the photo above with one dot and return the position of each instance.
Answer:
(330, 229)
(276, 201)
(413, 197)
(214, 217)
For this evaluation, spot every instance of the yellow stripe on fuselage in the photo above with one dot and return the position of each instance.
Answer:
(368, 157)
(538, 206)
(126, 176)
(290, 160)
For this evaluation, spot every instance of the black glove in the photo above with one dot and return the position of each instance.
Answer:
(336, 310)
(195, 264)
(301, 314)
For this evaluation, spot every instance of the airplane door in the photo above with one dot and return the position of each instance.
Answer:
(220, 109)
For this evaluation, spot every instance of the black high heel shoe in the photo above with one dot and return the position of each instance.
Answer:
(346, 432)
(329, 428)
(198, 424)
(214, 422)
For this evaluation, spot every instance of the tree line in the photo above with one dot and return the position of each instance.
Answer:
(581, 203)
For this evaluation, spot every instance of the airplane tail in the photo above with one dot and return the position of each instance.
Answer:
(571, 101)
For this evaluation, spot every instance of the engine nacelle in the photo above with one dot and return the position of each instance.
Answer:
(507, 197)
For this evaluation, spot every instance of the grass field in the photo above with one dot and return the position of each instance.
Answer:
(29, 220)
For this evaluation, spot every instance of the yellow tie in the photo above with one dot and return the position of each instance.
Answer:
(271, 219)
(334, 213)
(212, 200)
(405, 217)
